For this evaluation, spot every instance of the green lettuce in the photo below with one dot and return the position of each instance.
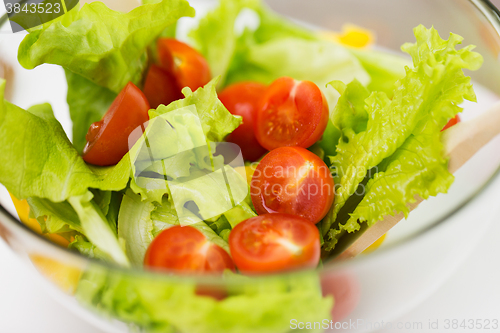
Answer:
(104, 46)
(216, 123)
(274, 49)
(423, 102)
(159, 304)
(54, 218)
(384, 68)
(97, 228)
(38, 160)
(140, 222)
(215, 37)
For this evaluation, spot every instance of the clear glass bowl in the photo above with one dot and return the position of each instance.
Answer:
(418, 256)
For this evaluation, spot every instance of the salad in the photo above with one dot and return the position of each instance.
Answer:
(235, 153)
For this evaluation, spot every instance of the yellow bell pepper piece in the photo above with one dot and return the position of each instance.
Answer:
(62, 275)
(351, 35)
(23, 210)
(375, 245)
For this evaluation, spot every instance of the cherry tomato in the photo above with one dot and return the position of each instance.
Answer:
(345, 289)
(185, 63)
(241, 99)
(452, 122)
(292, 113)
(107, 140)
(161, 87)
(293, 180)
(274, 243)
(186, 249)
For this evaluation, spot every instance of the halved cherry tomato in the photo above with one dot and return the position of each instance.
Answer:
(161, 87)
(292, 113)
(242, 99)
(108, 139)
(293, 180)
(185, 63)
(274, 243)
(452, 122)
(186, 249)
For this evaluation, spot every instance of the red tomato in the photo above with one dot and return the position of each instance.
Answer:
(274, 243)
(161, 87)
(107, 140)
(452, 122)
(345, 289)
(241, 99)
(292, 113)
(293, 180)
(185, 63)
(186, 249)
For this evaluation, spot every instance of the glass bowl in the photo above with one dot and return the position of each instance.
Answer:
(417, 257)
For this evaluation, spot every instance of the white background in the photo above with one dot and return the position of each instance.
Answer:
(473, 292)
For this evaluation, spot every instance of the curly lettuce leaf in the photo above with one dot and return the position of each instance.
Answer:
(163, 305)
(216, 123)
(102, 45)
(423, 102)
(38, 160)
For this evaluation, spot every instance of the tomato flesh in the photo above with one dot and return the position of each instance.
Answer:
(108, 139)
(185, 249)
(161, 87)
(293, 180)
(452, 122)
(292, 113)
(274, 243)
(242, 99)
(186, 64)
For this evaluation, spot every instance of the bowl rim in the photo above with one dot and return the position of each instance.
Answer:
(492, 15)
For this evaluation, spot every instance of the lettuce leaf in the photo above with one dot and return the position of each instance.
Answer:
(38, 160)
(215, 37)
(216, 123)
(166, 305)
(292, 56)
(384, 68)
(54, 218)
(274, 49)
(139, 222)
(423, 102)
(97, 228)
(104, 46)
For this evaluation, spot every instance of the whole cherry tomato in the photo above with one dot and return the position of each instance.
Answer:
(161, 87)
(186, 64)
(242, 99)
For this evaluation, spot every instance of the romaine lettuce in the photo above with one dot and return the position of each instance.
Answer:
(37, 159)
